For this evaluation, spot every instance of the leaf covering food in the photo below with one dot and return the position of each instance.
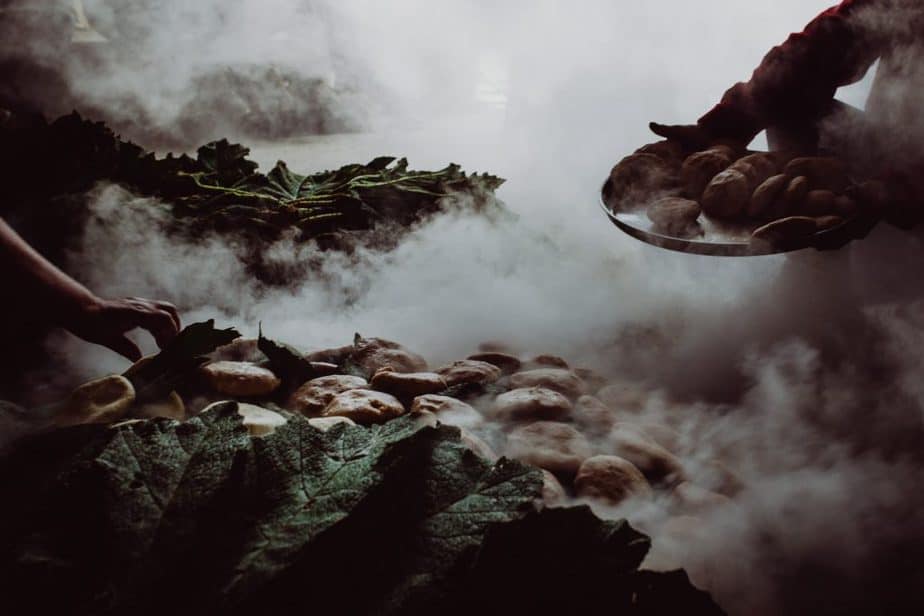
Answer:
(199, 517)
(203, 516)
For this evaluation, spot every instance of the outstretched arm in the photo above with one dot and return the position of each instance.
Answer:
(795, 82)
(48, 295)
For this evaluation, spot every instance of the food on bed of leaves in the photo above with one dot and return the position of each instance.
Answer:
(364, 406)
(170, 407)
(550, 445)
(259, 421)
(101, 401)
(656, 463)
(314, 396)
(448, 410)
(610, 479)
(676, 216)
(408, 384)
(327, 423)
(468, 372)
(506, 362)
(553, 493)
(564, 382)
(240, 378)
(531, 403)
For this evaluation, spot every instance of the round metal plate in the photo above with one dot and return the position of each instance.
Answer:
(719, 240)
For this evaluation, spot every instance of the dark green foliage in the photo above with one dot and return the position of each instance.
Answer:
(219, 190)
(161, 517)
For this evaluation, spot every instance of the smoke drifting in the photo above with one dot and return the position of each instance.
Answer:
(799, 373)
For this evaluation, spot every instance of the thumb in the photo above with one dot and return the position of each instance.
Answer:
(124, 347)
(660, 129)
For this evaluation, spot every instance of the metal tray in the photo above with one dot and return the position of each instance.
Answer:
(718, 239)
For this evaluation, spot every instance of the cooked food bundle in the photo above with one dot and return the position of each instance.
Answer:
(777, 196)
(589, 434)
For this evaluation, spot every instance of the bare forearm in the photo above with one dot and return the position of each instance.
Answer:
(40, 285)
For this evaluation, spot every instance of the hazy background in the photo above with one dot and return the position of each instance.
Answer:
(801, 372)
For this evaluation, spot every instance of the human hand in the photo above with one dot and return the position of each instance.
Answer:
(106, 322)
(693, 137)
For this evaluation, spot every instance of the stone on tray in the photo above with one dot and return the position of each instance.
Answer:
(408, 385)
(794, 196)
(699, 169)
(669, 151)
(676, 217)
(240, 379)
(314, 396)
(819, 203)
(364, 406)
(727, 195)
(468, 372)
(639, 177)
(766, 196)
(550, 445)
(450, 411)
(610, 479)
(757, 167)
(531, 403)
(564, 382)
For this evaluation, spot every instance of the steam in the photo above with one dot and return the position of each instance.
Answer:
(800, 373)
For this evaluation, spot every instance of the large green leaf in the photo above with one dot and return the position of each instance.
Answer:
(158, 516)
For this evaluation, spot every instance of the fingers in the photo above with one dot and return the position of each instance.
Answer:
(692, 135)
(124, 347)
(172, 311)
(159, 318)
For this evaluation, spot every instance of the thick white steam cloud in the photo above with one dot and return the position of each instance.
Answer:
(801, 372)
